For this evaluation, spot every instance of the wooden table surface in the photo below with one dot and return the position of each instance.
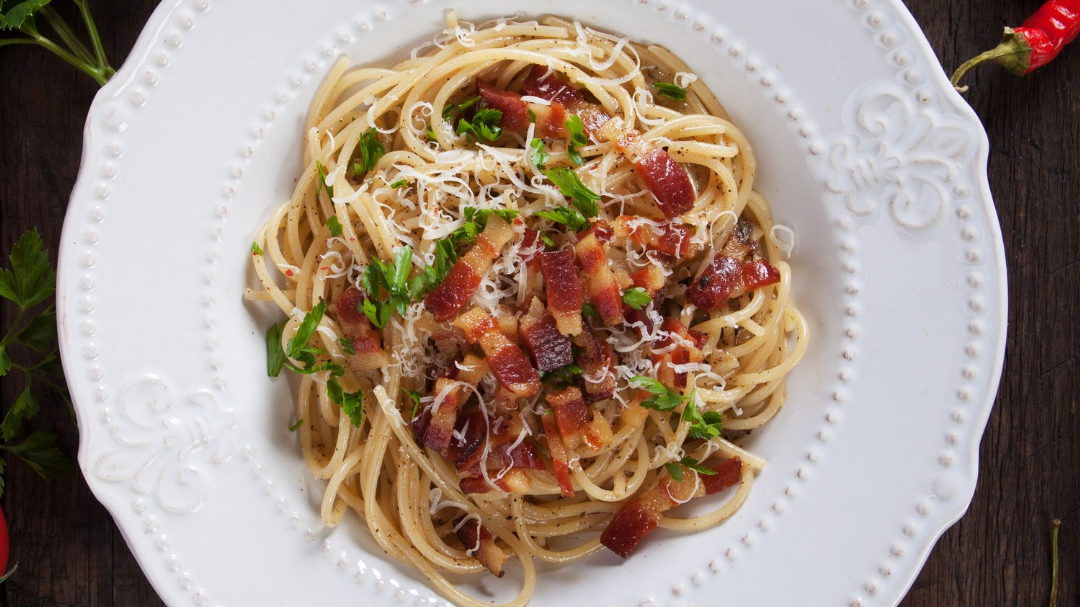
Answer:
(71, 553)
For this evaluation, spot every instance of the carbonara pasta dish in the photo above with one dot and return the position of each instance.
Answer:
(532, 297)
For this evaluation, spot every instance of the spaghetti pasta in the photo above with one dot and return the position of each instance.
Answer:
(533, 298)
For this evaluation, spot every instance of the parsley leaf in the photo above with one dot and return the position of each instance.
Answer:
(452, 108)
(415, 396)
(17, 13)
(662, 399)
(40, 452)
(275, 355)
(674, 469)
(298, 344)
(394, 279)
(400, 183)
(705, 426)
(296, 426)
(532, 116)
(671, 91)
(256, 249)
(562, 375)
(571, 186)
(637, 298)
(430, 133)
(321, 185)
(577, 139)
(351, 403)
(31, 279)
(40, 333)
(572, 218)
(484, 125)
(537, 156)
(371, 150)
(347, 346)
(25, 407)
(547, 240)
(588, 310)
(335, 226)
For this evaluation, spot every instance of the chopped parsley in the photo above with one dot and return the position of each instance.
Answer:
(256, 249)
(394, 279)
(662, 399)
(415, 396)
(371, 150)
(637, 298)
(532, 116)
(675, 470)
(562, 375)
(537, 156)
(322, 181)
(351, 403)
(671, 91)
(571, 186)
(296, 426)
(704, 426)
(400, 183)
(430, 133)
(589, 311)
(347, 346)
(484, 125)
(578, 139)
(275, 355)
(453, 108)
(334, 225)
(547, 240)
(571, 218)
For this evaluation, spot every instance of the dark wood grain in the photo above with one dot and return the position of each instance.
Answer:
(998, 555)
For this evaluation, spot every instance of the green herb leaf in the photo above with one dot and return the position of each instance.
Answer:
(334, 225)
(671, 91)
(588, 310)
(547, 240)
(40, 452)
(296, 426)
(704, 426)
(347, 345)
(430, 133)
(25, 408)
(31, 279)
(321, 185)
(662, 399)
(572, 218)
(275, 355)
(571, 186)
(694, 465)
(352, 403)
(5, 362)
(256, 249)
(371, 150)
(415, 396)
(532, 116)
(298, 344)
(16, 14)
(674, 469)
(399, 183)
(484, 125)
(637, 298)
(40, 333)
(562, 375)
(576, 128)
(537, 156)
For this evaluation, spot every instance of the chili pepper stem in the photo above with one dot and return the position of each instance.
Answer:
(1054, 565)
(10, 573)
(1006, 53)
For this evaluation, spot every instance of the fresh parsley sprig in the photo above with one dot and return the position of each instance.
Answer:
(675, 470)
(414, 396)
(571, 218)
(28, 283)
(637, 298)
(537, 156)
(371, 150)
(562, 375)
(335, 226)
(572, 187)
(671, 91)
(484, 126)
(704, 426)
(19, 19)
(390, 277)
(576, 128)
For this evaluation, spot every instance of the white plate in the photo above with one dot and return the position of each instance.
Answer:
(863, 149)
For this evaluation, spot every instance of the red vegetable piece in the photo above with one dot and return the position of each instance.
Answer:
(667, 181)
(549, 348)
(515, 112)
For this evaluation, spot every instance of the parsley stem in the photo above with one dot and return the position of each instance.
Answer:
(96, 73)
(67, 36)
(95, 39)
(1054, 564)
(13, 328)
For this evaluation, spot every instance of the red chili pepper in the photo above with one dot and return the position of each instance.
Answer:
(4, 550)
(1035, 43)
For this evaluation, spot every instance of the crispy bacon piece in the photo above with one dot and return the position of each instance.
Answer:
(460, 284)
(677, 351)
(603, 290)
(505, 463)
(560, 461)
(729, 275)
(593, 117)
(551, 85)
(478, 542)
(667, 181)
(673, 240)
(450, 395)
(638, 517)
(564, 296)
(357, 328)
(597, 434)
(549, 348)
(571, 413)
(597, 360)
(627, 140)
(515, 112)
(509, 364)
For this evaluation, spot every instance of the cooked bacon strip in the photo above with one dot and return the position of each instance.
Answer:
(560, 461)
(460, 284)
(667, 181)
(505, 462)
(357, 328)
(550, 119)
(597, 434)
(729, 275)
(551, 85)
(679, 351)
(673, 240)
(479, 542)
(597, 360)
(627, 140)
(654, 282)
(509, 364)
(549, 348)
(571, 413)
(442, 420)
(564, 296)
(638, 517)
(603, 290)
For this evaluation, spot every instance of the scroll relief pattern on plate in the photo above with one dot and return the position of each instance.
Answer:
(163, 447)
